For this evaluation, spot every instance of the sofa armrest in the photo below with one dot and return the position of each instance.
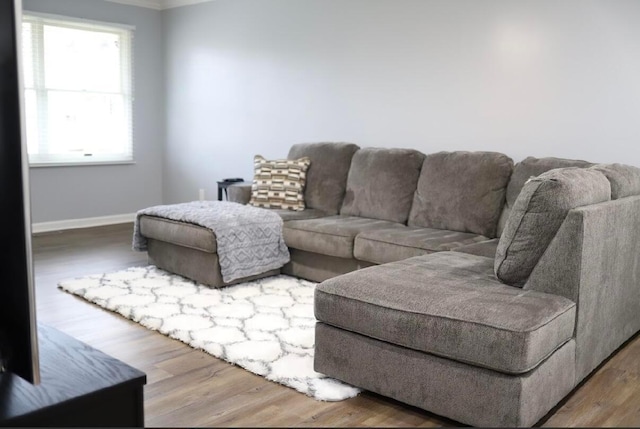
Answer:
(594, 260)
(239, 193)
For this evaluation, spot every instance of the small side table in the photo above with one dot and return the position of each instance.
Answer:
(224, 184)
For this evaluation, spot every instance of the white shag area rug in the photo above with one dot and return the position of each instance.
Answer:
(265, 326)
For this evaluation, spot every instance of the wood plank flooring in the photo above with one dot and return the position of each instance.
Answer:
(189, 388)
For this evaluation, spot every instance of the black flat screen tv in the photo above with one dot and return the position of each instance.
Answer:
(18, 337)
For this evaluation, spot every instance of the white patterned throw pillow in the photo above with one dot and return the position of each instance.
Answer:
(279, 184)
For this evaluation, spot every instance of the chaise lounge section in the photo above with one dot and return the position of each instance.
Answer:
(452, 281)
(441, 332)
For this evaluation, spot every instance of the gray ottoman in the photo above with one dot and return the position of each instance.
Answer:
(186, 249)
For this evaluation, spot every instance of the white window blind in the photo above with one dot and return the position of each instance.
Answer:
(78, 91)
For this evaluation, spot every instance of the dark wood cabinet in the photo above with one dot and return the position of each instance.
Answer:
(80, 386)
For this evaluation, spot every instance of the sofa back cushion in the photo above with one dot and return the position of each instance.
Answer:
(526, 169)
(327, 174)
(461, 191)
(624, 179)
(538, 213)
(381, 183)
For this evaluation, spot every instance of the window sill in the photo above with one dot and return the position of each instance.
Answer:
(78, 164)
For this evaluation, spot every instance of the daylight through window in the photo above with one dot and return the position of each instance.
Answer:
(78, 91)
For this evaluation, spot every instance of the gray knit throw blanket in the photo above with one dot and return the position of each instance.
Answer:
(249, 239)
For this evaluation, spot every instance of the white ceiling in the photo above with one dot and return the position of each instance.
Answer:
(158, 4)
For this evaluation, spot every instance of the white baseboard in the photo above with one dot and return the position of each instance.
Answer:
(60, 225)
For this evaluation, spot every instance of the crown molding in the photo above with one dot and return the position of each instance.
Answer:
(169, 4)
(149, 4)
(158, 4)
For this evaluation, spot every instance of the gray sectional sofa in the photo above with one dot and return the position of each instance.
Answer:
(454, 282)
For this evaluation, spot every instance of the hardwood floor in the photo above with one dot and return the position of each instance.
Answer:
(190, 388)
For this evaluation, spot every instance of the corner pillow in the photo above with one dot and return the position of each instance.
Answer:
(538, 213)
(624, 179)
(525, 170)
(279, 184)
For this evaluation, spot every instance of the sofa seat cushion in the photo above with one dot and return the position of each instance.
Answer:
(301, 215)
(451, 305)
(179, 233)
(394, 244)
(199, 238)
(332, 235)
(485, 248)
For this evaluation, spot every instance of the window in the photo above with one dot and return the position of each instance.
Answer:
(78, 91)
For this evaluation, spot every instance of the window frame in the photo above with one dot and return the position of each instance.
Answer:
(126, 36)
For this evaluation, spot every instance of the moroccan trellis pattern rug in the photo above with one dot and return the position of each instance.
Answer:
(264, 326)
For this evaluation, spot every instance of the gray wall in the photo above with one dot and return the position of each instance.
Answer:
(530, 77)
(63, 193)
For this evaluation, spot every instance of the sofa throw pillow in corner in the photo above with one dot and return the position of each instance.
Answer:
(279, 184)
(537, 215)
(532, 167)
